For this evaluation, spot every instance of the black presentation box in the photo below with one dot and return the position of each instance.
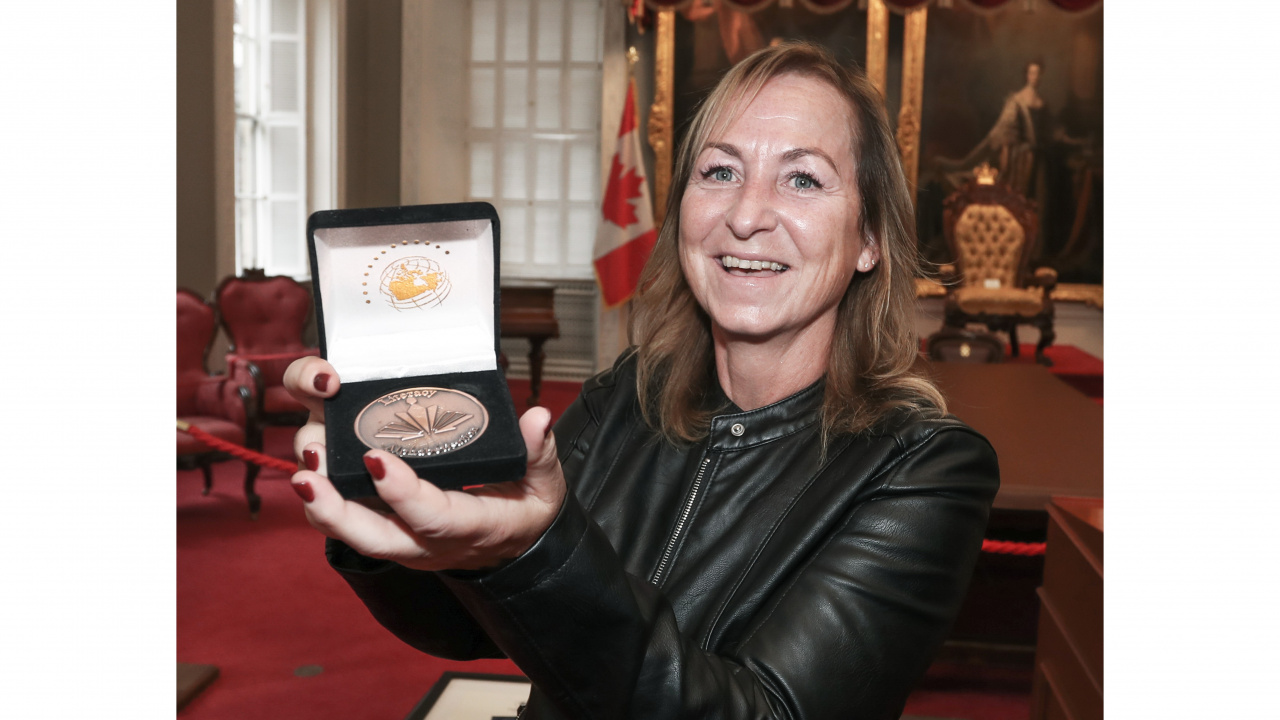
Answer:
(407, 311)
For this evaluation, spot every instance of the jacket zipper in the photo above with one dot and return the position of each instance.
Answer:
(684, 516)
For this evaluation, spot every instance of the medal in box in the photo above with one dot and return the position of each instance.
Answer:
(407, 311)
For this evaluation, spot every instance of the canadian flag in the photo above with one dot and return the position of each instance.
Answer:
(626, 236)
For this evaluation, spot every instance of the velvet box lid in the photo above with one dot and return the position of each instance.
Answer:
(406, 305)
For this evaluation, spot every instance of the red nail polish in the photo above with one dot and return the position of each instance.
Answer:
(322, 382)
(547, 434)
(304, 490)
(311, 459)
(375, 467)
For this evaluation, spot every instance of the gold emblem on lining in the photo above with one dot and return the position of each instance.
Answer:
(414, 282)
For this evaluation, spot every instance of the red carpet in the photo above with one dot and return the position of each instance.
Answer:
(258, 600)
(1074, 366)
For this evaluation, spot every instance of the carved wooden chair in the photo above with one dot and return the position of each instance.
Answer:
(265, 318)
(213, 403)
(991, 231)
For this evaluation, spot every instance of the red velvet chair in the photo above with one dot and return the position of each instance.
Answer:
(265, 318)
(213, 403)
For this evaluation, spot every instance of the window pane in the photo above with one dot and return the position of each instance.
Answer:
(584, 100)
(238, 61)
(583, 166)
(515, 108)
(516, 29)
(548, 98)
(513, 170)
(584, 38)
(514, 232)
(284, 159)
(286, 236)
(284, 75)
(245, 76)
(550, 22)
(246, 162)
(546, 235)
(284, 16)
(481, 170)
(483, 96)
(484, 30)
(246, 235)
(548, 171)
(582, 234)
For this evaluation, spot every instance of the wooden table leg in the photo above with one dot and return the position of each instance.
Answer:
(536, 356)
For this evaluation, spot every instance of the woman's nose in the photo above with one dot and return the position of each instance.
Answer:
(752, 210)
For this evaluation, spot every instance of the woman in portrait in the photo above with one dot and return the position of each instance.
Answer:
(760, 510)
(1016, 142)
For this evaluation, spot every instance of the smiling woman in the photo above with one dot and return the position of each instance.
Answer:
(790, 161)
(757, 513)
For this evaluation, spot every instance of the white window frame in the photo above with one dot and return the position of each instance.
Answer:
(575, 220)
(257, 196)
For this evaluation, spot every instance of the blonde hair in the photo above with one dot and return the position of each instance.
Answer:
(869, 369)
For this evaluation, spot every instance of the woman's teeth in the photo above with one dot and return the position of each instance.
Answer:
(730, 261)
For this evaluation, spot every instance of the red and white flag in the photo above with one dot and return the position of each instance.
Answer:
(626, 235)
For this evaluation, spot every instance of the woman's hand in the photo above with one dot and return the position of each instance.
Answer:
(432, 529)
(310, 380)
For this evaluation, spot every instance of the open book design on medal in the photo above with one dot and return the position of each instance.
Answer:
(419, 422)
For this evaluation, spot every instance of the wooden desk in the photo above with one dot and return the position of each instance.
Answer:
(1047, 434)
(1068, 670)
(1048, 437)
(529, 312)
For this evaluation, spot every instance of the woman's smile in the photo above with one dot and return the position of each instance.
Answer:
(744, 267)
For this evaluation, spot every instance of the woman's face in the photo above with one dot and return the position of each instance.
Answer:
(1033, 74)
(769, 237)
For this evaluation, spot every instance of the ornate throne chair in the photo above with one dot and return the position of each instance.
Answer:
(265, 318)
(991, 231)
(213, 403)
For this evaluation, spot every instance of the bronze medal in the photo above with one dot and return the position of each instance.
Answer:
(421, 422)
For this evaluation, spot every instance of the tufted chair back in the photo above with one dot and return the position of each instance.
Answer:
(196, 323)
(199, 393)
(990, 245)
(264, 315)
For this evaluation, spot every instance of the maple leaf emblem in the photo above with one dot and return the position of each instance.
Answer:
(618, 194)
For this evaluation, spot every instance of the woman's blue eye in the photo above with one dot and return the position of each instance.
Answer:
(804, 182)
(722, 174)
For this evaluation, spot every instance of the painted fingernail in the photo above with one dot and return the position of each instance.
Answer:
(311, 459)
(304, 490)
(322, 382)
(375, 467)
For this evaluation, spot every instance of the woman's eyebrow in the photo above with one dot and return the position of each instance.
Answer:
(797, 153)
(725, 148)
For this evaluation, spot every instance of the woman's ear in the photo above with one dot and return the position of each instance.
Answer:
(870, 254)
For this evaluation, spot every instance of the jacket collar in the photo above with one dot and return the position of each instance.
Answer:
(735, 429)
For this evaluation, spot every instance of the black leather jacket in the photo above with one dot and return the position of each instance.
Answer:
(741, 577)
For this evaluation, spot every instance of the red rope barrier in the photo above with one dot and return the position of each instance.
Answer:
(1008, 547)
(1000, 547)
(241, 452)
